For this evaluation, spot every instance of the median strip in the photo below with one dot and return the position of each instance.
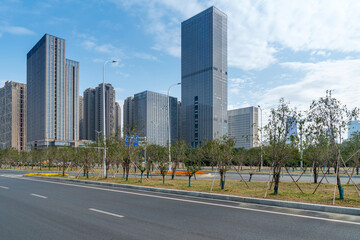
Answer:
(4, 187)
(108, 213)
(36, 195)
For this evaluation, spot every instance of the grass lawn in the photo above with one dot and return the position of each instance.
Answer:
(287, 191)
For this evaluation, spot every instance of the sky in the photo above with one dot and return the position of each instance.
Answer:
(277, 48)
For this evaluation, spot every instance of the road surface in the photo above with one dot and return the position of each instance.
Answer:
(42, 209)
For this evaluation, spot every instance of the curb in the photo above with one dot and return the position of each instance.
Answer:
(268, 202)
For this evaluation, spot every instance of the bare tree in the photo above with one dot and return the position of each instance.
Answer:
(333, 117)
(277, 131)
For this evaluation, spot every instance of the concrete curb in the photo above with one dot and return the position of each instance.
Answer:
(268, 202)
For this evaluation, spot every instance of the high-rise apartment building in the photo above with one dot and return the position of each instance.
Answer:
(89, 114)
(109, 109)
(128, 112)
(244, 127)
(117, 118)
(151, 117)
(52, 94)
(93, 112)
(13, 116)
(204, 76)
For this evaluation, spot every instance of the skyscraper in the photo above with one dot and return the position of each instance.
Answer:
(204, 76)
(93, 112)
(13, 116)
(117, 118)
(109, 109)
(89, 114)
(244, 127)
(128, 112)
(52, 94)
(151, 117)
(81, 119)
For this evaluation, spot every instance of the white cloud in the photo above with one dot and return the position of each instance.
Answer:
(145, 56)
(258, 30)
(342, 76)
(237, 84)
(16, 30)
(320, 53)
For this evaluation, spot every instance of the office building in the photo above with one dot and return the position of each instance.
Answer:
(151, 117)
(13, 116)
(204, 76)
(52, 94)
(353, 127)
(93, 112)
(244, 127)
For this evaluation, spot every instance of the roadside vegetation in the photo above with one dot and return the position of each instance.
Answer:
(317, 144)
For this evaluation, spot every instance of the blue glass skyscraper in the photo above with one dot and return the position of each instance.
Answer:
(53, 94)
(204, 76)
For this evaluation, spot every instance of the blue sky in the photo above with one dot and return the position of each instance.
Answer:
(277, 48)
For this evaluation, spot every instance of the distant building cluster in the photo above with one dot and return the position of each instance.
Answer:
(48, 110)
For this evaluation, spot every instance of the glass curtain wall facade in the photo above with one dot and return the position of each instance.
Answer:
(51, 97)
(244, 127)
(204, 76)
(151, 117)
(353, 127)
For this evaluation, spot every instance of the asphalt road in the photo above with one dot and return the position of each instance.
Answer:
(42, 209)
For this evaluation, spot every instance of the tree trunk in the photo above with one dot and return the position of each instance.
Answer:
(222, 179)
(127, 172)
(315, 174)
(173, 172)
(277, 171)
(338, 181)
(189, 180)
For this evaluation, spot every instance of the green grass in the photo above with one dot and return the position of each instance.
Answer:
(287, 191)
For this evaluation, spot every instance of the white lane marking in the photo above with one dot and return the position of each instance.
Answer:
(108, 213)
(4, 187)
(204, 203)
(11, 175)
(36, 195)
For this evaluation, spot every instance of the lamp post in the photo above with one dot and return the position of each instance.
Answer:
(169, 128)
(98, 136)
(104, 122)
(261, 165)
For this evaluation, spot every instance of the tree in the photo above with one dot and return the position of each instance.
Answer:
(178, 150)
(192, 162)
(221, 153)
(277, 131)
(66, 154)
(86, 158)
(332, 117)
(161, 156)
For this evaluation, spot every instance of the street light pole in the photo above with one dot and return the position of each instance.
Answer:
(104, 122)
(261, 166)
(169, 128)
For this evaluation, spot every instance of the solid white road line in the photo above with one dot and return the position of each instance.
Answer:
(36, 195)
(108, 213)
(4, 187)
(199, 202)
